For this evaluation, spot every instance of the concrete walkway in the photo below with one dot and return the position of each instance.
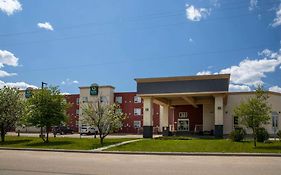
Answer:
(114, 145)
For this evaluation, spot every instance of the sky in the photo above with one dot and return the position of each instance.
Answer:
(70, 43)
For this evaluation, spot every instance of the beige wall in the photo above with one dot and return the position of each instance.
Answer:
(105, 91)
(234, 99)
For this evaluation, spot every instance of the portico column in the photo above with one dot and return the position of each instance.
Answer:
(164, 118)
(147, 117)
(218, 117)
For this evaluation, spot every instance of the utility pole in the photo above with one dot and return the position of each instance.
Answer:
(41, 129)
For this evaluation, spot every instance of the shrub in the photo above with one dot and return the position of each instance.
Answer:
(279, 134)
(237, 135)
(262, 135)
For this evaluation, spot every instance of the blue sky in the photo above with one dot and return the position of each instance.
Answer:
(74, 43)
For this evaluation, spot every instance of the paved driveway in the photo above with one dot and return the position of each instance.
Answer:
(43, 163)
(78, 135)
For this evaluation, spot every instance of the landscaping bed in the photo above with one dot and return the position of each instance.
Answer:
(179, 144)
(58, 142)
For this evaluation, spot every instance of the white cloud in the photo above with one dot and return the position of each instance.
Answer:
(196, 14)
(6, 74)
(45, 25)
(253, 4)
(65, 93)
(239, 88)
(21, 85)
(69, 82)
(10, 6)
(204, 73)
(7, 58)
(275, 89)
(277, 19)
(249, 73)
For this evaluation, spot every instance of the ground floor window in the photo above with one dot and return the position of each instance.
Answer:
(274, 117)
(137, 124)
(183, 125)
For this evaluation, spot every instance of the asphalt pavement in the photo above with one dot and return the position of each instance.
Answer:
(14, 162)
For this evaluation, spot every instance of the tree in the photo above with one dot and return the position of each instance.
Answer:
(107, 118)
(11, 109)
(254, 112)
(46, 108)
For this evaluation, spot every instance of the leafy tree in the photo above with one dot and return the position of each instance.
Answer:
(46, 108)
(11, 109)
(107, 118)
(254, 112)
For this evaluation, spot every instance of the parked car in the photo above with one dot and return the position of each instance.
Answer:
(85, 129)
(62, 130)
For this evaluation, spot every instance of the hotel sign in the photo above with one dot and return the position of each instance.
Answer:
(94, 89)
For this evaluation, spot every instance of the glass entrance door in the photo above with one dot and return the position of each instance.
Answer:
(183, 125)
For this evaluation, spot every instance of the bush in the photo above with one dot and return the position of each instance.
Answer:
(237, 135)
(279, 134)
(262, 135)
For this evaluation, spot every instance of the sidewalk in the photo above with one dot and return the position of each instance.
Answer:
(114, 145)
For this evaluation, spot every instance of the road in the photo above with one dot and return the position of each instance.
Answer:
(43, 163)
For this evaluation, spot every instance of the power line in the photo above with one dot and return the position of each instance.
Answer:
(152, 16)
(149, 58)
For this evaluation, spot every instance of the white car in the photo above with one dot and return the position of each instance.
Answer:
(85, 129)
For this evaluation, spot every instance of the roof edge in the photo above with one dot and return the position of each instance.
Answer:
(182, 78)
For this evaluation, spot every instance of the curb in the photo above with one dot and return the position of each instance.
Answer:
(149, 153)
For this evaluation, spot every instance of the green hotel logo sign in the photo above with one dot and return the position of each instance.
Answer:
(28, 92)
(94, 89)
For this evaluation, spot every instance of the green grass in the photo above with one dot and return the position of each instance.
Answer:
(199, 145)
(58, 143)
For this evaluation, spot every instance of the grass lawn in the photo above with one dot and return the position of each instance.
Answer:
(198, 145)
(58, 142)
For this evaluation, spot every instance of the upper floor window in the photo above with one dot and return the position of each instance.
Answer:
(137, 111)
(84, 99)
(77, 101)
(77, 111)
(103, 99)
(137, 99)
(118, 99)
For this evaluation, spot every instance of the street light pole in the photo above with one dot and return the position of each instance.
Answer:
(41, 129)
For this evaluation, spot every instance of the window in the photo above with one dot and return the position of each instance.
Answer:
(274, 117)
(77, 111)
(118, 100)
(119, 110)
(235, 121)
(77, 101)
(103, 99)
(137, 111)
(84, 99)
(183, 115)
(137, 99)
(137, 124)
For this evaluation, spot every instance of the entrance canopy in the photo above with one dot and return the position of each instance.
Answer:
(182, 90)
